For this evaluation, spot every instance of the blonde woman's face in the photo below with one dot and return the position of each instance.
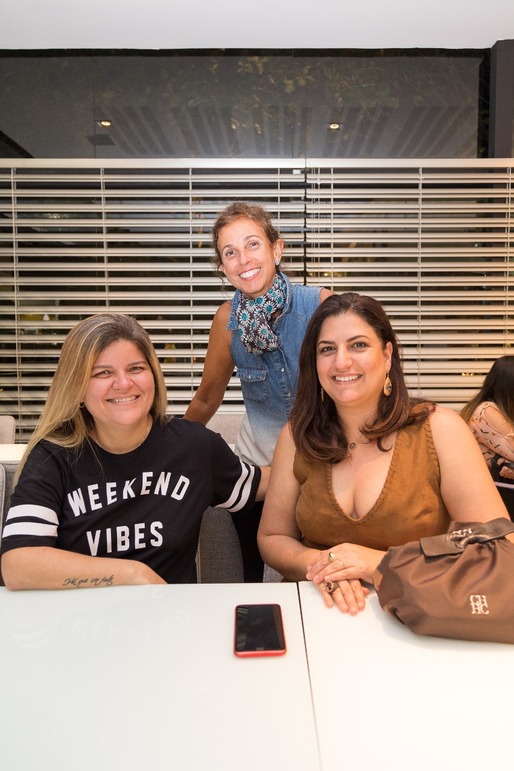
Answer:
(121, 388)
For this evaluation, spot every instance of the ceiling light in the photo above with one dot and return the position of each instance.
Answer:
(334, 126)
(104, 123)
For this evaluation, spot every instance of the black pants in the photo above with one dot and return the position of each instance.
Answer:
(247, 526)
(504, 486)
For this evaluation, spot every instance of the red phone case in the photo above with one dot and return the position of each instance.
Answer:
(278, 630)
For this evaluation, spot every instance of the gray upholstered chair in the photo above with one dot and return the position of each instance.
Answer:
(7, 429)
(2, 497)
(219, 557)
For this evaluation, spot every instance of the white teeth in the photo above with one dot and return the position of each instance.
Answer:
(347, 379)
(123, 401)
(250, 273)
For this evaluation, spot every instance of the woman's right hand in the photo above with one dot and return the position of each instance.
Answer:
(142, 574)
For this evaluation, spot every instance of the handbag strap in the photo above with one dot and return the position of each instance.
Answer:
(461, 534)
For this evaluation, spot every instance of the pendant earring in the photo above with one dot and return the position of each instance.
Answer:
(388, 386)
(81, 405)
(322, 394)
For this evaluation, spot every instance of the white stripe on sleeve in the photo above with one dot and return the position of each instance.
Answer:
(19, 521)
(31, 510)
(242, 489)
(30, 528)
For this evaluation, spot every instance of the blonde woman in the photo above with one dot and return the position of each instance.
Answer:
(111, 490)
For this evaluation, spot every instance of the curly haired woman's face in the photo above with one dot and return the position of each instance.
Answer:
(351, 361)
(248, 258)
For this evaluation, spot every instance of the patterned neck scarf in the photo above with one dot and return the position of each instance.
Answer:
(254, 317)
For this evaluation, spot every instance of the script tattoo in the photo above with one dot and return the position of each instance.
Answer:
(80, 582)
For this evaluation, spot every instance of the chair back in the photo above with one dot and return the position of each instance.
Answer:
(219, 558)
(7, 429)
(2, 498)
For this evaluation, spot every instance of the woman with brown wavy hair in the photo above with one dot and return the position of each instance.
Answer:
(362, 465)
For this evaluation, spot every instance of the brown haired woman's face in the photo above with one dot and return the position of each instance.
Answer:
(351, 361)
(247, 257)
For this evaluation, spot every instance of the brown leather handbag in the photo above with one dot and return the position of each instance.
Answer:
(459, 584)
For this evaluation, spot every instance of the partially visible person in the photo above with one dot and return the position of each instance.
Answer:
(490, 415)
(259, 334)
(362, 466)
(110, 489)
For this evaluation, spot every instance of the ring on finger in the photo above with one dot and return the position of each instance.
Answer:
(332, 557)
(330, 586)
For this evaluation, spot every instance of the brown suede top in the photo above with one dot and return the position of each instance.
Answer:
(408, 508)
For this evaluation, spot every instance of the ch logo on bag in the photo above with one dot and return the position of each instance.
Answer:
(478, 604)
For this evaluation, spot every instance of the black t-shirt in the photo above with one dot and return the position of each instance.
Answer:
(145, 505)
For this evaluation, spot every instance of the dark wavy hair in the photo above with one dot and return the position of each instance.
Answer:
(498, 387)
(316, 430)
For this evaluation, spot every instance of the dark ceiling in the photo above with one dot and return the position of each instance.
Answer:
(408, 105)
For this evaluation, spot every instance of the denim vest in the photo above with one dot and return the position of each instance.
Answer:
(269, 380)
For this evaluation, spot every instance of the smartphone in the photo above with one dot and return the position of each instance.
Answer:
(259, 631)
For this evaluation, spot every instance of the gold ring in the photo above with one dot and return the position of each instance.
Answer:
(330, 586)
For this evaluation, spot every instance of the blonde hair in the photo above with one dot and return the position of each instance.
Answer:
(64, 420)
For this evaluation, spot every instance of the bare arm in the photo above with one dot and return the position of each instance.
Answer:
(263, 484)
(42, 567)
(217, 371)
(278, 536)
(494, 434)
(467, 487)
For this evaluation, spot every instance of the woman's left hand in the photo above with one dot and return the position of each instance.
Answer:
(506, 471)
(345, 562)
(348, 596)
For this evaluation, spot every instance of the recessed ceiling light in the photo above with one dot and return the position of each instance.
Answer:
(334, 126)
(104, 123)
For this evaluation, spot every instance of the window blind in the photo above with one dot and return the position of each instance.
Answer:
(430, 239)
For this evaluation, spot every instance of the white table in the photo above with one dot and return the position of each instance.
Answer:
(385, 698)
(11, 453)
(145, 678)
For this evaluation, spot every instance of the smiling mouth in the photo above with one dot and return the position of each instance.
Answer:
(124, 400)
(249, 273)
(346, 378)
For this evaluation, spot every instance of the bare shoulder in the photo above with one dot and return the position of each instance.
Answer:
(324, 293)
(496, 420)
(443, 418)
(448, 427)
(222, 315)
